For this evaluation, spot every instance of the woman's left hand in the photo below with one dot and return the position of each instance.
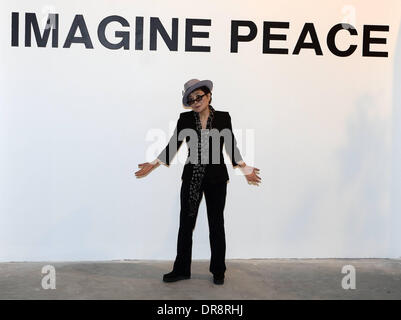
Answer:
(251, 174)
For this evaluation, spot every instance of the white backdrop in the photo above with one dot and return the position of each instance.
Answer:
(76, 122)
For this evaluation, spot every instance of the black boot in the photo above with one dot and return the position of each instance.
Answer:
(174, 276)
(218, 279)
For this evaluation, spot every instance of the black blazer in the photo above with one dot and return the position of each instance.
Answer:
(216, 171)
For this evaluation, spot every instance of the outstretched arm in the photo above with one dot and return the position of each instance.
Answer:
(172, 147)
(250, 173)
(165, 156)
(231, 146)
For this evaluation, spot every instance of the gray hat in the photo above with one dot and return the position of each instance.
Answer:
(192, 85)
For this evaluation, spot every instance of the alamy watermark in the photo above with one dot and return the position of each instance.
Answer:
(49, 280)
(349, 281)
(211, 140)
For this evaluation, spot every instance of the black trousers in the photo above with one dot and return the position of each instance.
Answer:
(215, 195)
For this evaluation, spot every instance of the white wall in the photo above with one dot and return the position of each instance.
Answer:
(74, 125)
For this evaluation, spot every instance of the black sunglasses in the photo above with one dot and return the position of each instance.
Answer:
(197, 99)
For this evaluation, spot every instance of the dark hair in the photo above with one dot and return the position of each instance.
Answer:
(205, 91)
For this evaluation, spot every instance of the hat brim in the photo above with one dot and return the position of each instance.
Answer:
(197, 85)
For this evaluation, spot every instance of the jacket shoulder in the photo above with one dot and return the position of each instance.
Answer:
(218, 113)
(185, 114)
(222, 114)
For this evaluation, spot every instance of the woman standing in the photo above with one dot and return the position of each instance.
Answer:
(204, 173)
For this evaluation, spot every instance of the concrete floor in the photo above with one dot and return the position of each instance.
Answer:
(245, 279)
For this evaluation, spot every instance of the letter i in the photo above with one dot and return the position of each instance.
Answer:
(14, 29)
(139, 33)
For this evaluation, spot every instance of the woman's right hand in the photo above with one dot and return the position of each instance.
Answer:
(145, 169)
